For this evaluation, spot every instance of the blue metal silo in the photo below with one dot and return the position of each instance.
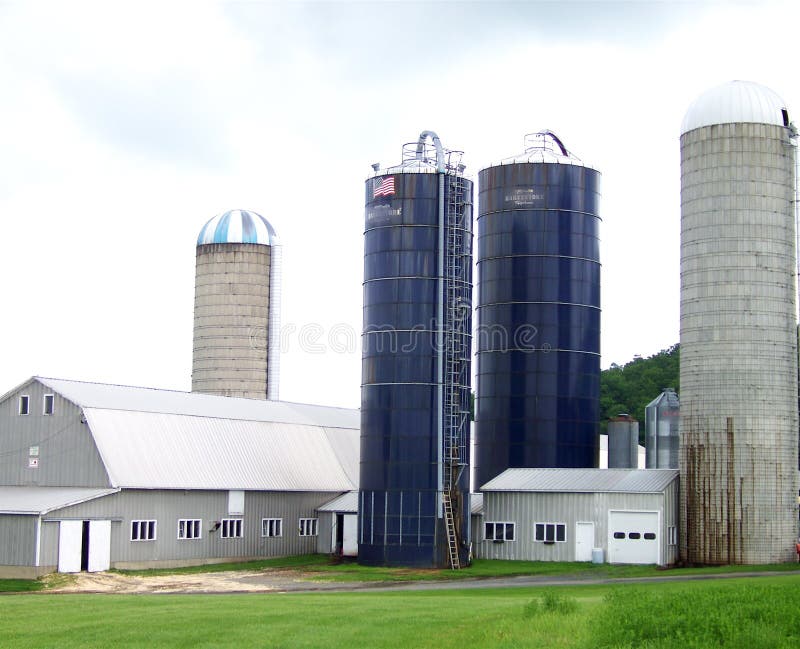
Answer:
(414, 489)
(538, 335)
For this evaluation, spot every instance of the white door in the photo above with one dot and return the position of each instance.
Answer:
(633, 537)
(70, 538)
(99, 546)
(584, 541)
(350, 537)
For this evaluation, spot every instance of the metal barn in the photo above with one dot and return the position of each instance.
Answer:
(621, 515)
(94, 476)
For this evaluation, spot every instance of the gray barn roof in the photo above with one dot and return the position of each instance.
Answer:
(583, 480)
(160, 439)
(345, 503)
(124, 397)
(40, 500)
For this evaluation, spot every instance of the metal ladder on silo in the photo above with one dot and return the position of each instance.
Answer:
(456, 359)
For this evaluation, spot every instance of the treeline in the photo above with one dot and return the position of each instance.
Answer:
(629, 388)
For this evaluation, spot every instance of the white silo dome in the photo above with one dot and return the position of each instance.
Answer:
(733, 102)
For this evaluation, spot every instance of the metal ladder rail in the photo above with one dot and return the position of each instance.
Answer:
(454, 354)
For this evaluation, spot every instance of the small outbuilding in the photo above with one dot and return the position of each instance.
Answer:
(621, 515)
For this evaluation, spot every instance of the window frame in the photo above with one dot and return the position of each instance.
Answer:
(231, 528)
(147, 524)
(26, 399)
(304, 523)
(500, 525)
(277, 528)
(549, 539)
(52, 399)
(183, 535)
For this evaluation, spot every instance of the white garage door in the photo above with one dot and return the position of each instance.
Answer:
(633, 537)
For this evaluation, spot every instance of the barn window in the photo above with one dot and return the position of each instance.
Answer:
(24, 404)
(550, 532)
(271, 527)
(634, 535)
(231, 528)
(649, 536)
(498, 531)
(143, 530)
(48, 404)
(619, 535)
(308, 527)
(189, 528)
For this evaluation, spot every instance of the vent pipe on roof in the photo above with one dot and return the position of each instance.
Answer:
(440, 165)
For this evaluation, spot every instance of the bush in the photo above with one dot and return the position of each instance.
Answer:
(551, 602)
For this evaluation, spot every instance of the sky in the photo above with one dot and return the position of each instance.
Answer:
(125, 126)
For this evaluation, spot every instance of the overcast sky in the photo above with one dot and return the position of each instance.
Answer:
(124, 127)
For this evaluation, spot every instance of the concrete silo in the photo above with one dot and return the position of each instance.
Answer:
(236, 350)
(414, 473)
(738, 371)
(538, 334)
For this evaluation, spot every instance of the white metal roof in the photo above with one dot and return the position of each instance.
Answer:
(476, 504)
(732, 102)
(124, 397)
(345, 503)
(160, 439)
(40, 500)
(583, 480)
(148, 450)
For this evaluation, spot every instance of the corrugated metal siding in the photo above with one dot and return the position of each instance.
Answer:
(325, 544)
(525, 509)
(164, 451)
(121, 397)
(167, 506)
(67, 453)
(584, 480)
(17, 540)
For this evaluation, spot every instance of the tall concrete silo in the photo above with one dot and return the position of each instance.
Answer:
(236, 349)
(414, 485)
(538, 334)
(738, 372)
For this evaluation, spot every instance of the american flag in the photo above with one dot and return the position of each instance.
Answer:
(383, 187)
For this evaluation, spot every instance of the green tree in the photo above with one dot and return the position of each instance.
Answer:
(629, 388)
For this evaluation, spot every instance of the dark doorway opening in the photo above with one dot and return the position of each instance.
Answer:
(85, 547)
(339, 534)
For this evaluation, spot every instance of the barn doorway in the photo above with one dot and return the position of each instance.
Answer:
(84, 546)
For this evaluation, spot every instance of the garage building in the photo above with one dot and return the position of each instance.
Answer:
(631, 515)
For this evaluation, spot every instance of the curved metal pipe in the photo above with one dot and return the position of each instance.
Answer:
(557, 140)
(440, 166)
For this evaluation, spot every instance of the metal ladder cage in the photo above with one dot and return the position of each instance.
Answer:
(457, 353)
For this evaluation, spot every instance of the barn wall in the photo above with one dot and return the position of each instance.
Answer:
(67, 455)
(167, 506)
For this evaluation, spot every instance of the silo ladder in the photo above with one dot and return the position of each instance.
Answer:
(452, 540)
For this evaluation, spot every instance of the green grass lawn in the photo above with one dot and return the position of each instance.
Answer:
(753, 613)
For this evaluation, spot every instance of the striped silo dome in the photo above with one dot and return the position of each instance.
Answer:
(238, 226)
